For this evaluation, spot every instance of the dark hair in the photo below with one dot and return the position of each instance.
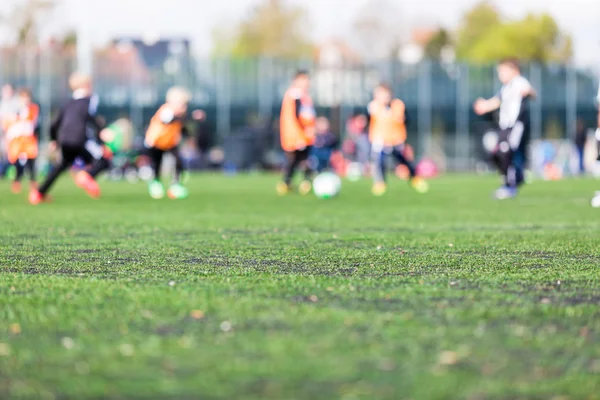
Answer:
(301, 73)
(511, 62)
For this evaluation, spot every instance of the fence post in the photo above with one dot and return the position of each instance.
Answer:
(85, 51)
(424, 108)
(571, 100)
(223, 97)
(462, 143)
(265, 87)
(535, 77)
(45, 91)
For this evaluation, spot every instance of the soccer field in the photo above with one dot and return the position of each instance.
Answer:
(236, 293)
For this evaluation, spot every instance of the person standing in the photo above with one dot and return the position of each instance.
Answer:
(203, 136)
(75, 131)
(513, 134)
(164, 135)
(22, 140)
(598, 125)
(580, 140)
(297, 130)
(8, 112)
(387, 134)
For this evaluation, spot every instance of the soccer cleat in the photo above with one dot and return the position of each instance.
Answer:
(15, 187)
(156, 190)
(505, 192)
(305, 187)
(36, 198)
(85, 181)
(379, 189)
(177, 192)
(283, 188)
(419, 184)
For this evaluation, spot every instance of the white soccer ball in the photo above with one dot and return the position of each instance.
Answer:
(596, 200)
(490, 141)
(327, 185)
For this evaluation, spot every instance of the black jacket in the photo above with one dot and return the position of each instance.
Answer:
(76, 122)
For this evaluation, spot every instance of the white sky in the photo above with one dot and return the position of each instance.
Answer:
(196, 19)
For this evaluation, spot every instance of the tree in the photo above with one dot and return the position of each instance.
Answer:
(377, 30)
(534, 38)
(434, 48)
(69, 39)
(270, 29)
(25, 19)
(476, 23)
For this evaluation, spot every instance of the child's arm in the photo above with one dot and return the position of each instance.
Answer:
(55, 126)
(483, 106)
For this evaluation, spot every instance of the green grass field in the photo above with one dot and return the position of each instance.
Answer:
(236, 293)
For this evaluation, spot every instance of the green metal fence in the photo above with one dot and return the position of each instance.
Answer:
(438, 97)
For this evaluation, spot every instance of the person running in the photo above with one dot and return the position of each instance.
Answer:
(387, 134)
(75, 131)
(166, 130)
(513, 130)
(22, 140)
(297, 132)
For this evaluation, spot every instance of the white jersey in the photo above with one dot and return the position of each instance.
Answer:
(9, 108)
(513, 105)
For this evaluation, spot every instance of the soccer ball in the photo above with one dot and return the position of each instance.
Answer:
(327, 185)
(490, 141)
(596, 200)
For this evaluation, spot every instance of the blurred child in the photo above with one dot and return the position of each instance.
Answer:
(598, 129)
(297, 130)
(387, 134)
(75, 132)
(164, 135)
(22, 141)
(8, 110)
(513, 101)
(325, 142)
(363, 146)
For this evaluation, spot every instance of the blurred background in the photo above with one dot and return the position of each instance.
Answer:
(237, 58)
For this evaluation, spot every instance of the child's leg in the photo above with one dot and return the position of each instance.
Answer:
(293, 160)
(178, 165)
(16, 185)
(398, 152)
(303, 160)
(30, 166)
(68, 158)
(505, 168)
(99, 166)
(378, 160)
(20, 168)
(177, 191)
(156, 156)
(97, 156)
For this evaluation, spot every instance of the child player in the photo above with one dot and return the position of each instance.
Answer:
(164, 134)
(387, 134)
(21, 139)
(75, 132)
(297, 130)
(598, 129)
(513, 102)
(325, 142)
